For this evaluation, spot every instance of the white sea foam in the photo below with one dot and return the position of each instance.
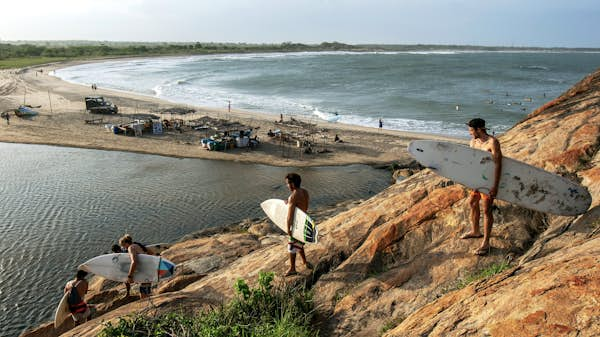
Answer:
(534, 67)
(411, 125)
(157, 90)
(218, 97)
(403, 90)
(251, 56)
(327, 116)
(434, 52)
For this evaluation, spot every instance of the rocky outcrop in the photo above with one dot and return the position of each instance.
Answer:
(562, 137)
(557, 295)
(392, 264)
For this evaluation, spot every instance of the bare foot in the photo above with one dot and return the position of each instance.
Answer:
(471, 235)
(482, 251)
(290, 273)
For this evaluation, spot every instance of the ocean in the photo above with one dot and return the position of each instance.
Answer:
(429, 92)
(62, 206)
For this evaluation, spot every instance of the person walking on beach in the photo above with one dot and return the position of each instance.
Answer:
(298, 198)
(134, 249)
(380, 123)
(77, 288)
(7, 116)
(482, 141)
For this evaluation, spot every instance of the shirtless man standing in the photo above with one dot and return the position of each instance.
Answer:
(482, 141)
(299, 198)
(134, 249)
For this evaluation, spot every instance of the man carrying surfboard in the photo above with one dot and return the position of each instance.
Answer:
(482, 141)
(118, 249)
(134, 249)
(298, 198)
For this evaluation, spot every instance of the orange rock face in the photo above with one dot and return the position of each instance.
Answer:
(554, 296)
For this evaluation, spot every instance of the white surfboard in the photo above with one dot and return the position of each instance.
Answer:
(62, 311)
(115, 267)
(520, 183)
(303, 228)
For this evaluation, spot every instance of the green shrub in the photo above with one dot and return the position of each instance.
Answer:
(491, 270)
(264, 311)
(390, 325)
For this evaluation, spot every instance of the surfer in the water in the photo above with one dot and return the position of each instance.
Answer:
(77, 306)
(482, 141)
(134, 249)
(299, 198)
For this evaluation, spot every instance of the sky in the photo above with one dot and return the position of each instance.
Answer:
(535, 23)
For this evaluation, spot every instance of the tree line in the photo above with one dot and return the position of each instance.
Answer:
(90, 49)
(20, 50)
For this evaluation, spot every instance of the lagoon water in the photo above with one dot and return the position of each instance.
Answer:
(411, 91)
(61, 206)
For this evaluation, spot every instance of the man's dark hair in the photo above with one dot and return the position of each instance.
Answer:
(81, 274)
(477, 123)
(294, 178)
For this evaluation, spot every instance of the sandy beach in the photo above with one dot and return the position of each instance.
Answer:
(62, 121)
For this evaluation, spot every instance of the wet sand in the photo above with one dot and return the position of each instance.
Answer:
(62, 121)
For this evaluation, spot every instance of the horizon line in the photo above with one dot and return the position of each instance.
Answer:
(368, 44)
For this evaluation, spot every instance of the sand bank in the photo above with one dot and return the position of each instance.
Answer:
(62, 121)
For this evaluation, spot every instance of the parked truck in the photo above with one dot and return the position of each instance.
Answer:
(98, 105)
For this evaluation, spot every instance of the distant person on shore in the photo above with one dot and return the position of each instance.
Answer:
(7, 116)
(482, 141)
(134, 249)
(118, 249)
(337, 139)
(77, 288)
(380, 123)
(298, 198)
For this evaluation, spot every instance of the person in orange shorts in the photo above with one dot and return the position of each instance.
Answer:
(482, 141)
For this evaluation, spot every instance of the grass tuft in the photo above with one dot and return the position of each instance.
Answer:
(264, 311)
(489, 271)
(390, 325)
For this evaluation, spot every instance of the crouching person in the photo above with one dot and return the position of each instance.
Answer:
(77, 288)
